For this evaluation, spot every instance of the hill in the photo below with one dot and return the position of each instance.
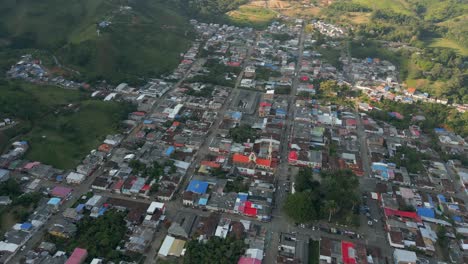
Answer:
(422, 22)
(136, 38)
(61, 126)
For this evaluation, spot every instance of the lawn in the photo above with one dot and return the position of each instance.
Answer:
(58, 134)
(253, 16)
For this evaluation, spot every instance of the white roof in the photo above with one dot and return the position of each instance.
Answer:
(348, 156)
(110, 96)
(96, 261)
(255, 253)
(10, 247)
(153, 206)
(166, 246)
(94, 200)
(110, 142)
(405, 255)
(74, 176)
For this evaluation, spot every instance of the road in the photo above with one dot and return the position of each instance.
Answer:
(279, 222)
(176, 204)
(375, 234)
(78, 191)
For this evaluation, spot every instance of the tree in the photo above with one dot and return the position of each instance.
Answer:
(331, 207)
(215, 250)
(335, 195)
(243, 133)
(299, 206)
(137, 165)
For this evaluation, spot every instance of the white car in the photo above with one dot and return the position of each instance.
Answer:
(370, 223)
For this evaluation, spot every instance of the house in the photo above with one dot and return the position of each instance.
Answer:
(401, 256)
(95, 201)
(64, 229)
(75, 178)
(5, 200)
(156, 206)
(78, 256)
(140, 239)
(182, 225)
(222, 229)
(4, 175)
(61, 192)
(196, 186)
(171, 247)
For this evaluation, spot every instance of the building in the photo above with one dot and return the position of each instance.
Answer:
(156, 206)
(197, 186)
(4, 175)
(171, 247)
(78, 256)
(61, 192)
(75, 178)
(401, 256)
(182, 225)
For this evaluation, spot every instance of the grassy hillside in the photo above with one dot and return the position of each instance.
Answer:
(58, 134)
(143, 40)
(432, 23)
(253, 16)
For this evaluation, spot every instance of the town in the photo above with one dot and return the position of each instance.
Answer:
(219, 149)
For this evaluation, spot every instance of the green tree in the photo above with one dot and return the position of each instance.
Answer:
(299, 206)
(331, 207)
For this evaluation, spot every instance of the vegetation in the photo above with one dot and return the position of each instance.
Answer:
(436, 115)
(263, 73)
(314, 251)
(252, 16)
(100, 236)
(443, 240)
(243, 133)
(59, 134)
(409, 158)
(21, 206)
(217, 74)
(216, 250)
(69, 30)
(335, 197)
(237, 185)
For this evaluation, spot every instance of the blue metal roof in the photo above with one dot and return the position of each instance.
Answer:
(242, 196)
(54, 201)
(426, 212)
(197, 186)
(169, 150)
(202, 201)
(442, 198)
(80, 207)
(26, 226)
(236, 115)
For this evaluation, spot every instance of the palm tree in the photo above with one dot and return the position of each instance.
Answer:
(331, 207)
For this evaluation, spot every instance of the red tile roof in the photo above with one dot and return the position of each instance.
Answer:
(411, 90)
(239, 158)
(263, 162)
(211, 164)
